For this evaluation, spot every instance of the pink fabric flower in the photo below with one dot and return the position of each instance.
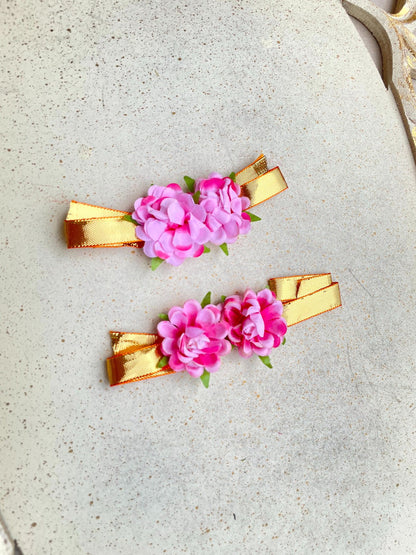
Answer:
(256, 322)
(170, 224)
(194, 338)
(221, 200)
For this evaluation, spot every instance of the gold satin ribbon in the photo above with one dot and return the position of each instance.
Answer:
(306, 296)
(94, 226)
(258, 183)
(136, 355)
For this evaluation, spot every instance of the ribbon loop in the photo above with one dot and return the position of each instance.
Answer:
(258, 183)
(304, 297)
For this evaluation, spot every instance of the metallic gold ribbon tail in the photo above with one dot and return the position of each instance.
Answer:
(135, 358)
(95, 226)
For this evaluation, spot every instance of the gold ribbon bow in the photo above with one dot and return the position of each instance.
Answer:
(136, 355)
(94, 226)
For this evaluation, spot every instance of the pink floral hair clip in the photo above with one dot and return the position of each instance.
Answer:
(172, 225)
(194, 337)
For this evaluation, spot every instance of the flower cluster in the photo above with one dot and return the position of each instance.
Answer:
(171, 225)
(195, 336)
(224, 208)
(175, 225)
(255, 322)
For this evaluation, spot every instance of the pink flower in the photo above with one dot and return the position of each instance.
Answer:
(221, 200)
(170, 224)
(194, 338)
(256, 323)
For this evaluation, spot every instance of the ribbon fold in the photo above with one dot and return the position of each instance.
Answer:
(136, 355)
(94, 226)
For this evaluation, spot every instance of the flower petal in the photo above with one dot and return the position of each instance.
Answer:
(141, 234)
(168, 346)
(148, 249)
(182, 240)
(206, 318)
(166, 329)
(193, 331)
(191, 309)
(267, 296)
(176, 213)
(198, 231)
(175, 363)
(177, 317)
(210, 361)
(245, 349)
(154, 228)
(195, 370)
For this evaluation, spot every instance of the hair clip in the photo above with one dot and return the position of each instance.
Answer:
(193, 338)
(172, 225)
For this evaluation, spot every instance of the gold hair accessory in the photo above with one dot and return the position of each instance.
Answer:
(172, 225)
(194, 337)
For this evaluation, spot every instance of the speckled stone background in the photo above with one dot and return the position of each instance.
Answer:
(100, 99)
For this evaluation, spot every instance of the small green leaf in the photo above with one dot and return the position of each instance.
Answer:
(266, 361)
(232, 176)
(223, 297)
(206, 249)
(190, 183)
(128, 218)
(253, 217)
(196, 196)
(163, 316)
(205, 378)
(224, 248)
(206, 300)
(284, 341)
(162, 362)
(156, 262)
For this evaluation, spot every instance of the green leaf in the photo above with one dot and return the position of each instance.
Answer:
(156, 262)
(128, 218)
(206, 300)
(205, 378)
(190, 183)
(266, 361)
(163, 316)
(196, 196)
(162, 362)
(232, 176)
(253, 217)
(284, 341)
(223, 297)
(206, 249)
(224, 248)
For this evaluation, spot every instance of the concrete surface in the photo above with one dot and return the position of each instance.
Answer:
(100, 99)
